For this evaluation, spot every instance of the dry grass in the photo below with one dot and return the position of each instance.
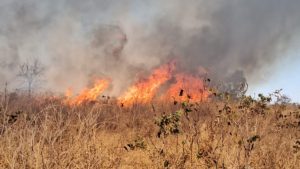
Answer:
(43, 133)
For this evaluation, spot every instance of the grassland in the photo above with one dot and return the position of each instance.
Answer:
(42, 132)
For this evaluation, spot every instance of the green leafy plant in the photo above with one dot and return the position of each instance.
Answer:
(168, 124)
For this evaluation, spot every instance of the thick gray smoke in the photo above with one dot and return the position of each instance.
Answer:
(78, 41)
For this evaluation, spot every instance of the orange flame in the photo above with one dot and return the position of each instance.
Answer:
(87, 95)
(187, 87)
(184, 87)
(144, 91)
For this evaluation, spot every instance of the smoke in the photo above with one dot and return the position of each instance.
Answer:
(78, 41)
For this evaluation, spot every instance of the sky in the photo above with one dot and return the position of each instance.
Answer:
(285, 76)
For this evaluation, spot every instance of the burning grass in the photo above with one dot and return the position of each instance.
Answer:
(146, 90)
(87, 95)
(44, 132)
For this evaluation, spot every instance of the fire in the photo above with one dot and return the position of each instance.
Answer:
(145, 90)
(187, 87)
(87, 95)
(69, 93)
(180, 87)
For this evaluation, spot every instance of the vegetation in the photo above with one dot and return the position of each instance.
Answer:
(243, 133)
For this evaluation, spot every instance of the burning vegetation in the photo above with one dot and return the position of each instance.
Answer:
(179, 87)
(88, 94)
(146, 89)
(188, 87)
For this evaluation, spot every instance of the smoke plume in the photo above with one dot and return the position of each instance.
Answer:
(78, 41)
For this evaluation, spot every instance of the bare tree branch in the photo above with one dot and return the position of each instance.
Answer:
(30, 72)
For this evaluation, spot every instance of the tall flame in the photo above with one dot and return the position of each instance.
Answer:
(87, 95)
(187, 87)
(144, 91)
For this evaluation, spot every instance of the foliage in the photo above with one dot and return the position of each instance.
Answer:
(168, 124)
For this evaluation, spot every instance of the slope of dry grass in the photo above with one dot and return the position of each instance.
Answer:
(44, 133)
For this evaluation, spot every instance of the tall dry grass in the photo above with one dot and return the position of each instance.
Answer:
(42, 132)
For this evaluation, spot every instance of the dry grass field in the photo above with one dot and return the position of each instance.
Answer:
(43, 132)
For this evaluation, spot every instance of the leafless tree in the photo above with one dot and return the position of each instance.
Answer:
(30, 73)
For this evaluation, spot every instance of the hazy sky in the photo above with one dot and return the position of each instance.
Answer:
(286, 76)
(79, 40)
